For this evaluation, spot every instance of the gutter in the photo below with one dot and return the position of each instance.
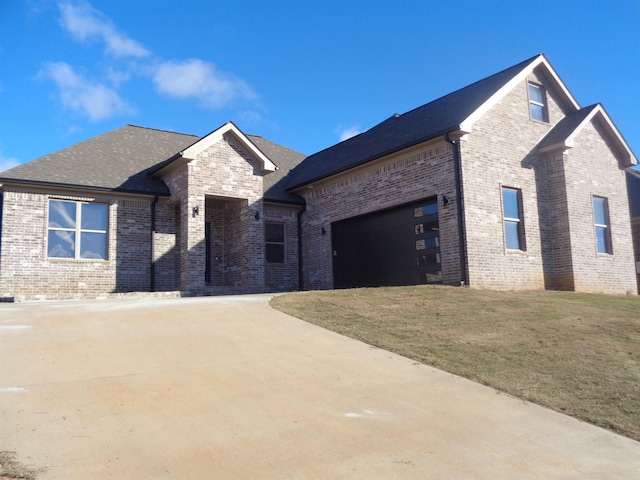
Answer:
(457, 164)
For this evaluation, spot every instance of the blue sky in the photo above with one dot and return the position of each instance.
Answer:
(301, 73)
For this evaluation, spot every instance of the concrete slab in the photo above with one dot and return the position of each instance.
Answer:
(226, 387)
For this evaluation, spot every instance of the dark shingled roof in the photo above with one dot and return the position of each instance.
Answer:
(402, 131)
(285, 159)
(565, 127)
(121, 160)
(114, 161)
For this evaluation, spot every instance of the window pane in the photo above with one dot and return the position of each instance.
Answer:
(430, 209)
(93, 245)
(421, 228)
(62, 214)
(275, 253)
(61, 244)
(512, 235)
(599, 210)
(535, 94)
(274, 232)
(537, 112)
(510, 203)
(94, 216)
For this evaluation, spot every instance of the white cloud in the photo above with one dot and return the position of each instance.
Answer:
(346, 133)
(94, 100)
(200, 80)
(8, 162)
(84, 22)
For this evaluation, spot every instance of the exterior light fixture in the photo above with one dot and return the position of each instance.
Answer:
(445, 200)
(195, 211)
(257, 216)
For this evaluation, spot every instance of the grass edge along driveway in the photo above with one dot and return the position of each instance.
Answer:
(578, 354)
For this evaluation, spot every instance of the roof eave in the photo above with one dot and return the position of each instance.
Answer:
(455, 130)
(71, 186)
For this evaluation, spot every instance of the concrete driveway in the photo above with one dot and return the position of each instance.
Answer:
(227, 388)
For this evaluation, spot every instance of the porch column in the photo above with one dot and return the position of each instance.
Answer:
(193, 249)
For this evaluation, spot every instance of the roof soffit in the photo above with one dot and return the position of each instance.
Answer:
(539, 61)
(204, 143)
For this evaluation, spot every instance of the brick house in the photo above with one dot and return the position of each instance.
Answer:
(507, 183)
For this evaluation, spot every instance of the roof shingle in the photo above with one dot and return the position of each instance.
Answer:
(114, 161)
(402, 131)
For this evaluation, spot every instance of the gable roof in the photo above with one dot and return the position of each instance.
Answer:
(456, 111)
(124, 160)
(563, 134)
(215, 136)
(275, 184)
(118, 160)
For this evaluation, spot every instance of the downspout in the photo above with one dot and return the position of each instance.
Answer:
(460, 207)
(300, 269)
(152, 269)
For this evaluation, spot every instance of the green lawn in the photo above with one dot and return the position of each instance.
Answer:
(575, 353)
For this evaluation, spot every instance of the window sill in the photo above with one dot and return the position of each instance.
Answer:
(77, 260)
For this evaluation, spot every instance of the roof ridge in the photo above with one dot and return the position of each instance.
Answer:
(160, 130)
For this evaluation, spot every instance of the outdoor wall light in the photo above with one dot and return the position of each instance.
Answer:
(323, 231)
(445, 200)
(257, 216)
(195, 211)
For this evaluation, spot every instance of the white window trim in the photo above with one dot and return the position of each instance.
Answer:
(605, 226)
(522, 244)
(78, 230)
(543, 104)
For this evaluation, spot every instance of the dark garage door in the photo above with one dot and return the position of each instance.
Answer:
(400, 246)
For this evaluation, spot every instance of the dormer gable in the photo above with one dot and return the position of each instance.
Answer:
(538, 64)
(229, 128)
(562, 136)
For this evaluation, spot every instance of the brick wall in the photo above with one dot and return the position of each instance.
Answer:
(26, 269)
(282, 277)
(501, 152)
(591, 169)
(556, 196)
(226, 173)
(166, 254)
(420, 173)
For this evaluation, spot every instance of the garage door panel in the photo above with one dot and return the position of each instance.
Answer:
(391, 247)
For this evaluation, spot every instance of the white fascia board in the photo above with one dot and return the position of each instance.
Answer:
(631, 158)
(467, 124)
(194, 150)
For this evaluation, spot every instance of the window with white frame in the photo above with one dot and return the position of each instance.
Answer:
(274, 242)
(512, 218)
(77, 230)
(601, 221)
(537, 103)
